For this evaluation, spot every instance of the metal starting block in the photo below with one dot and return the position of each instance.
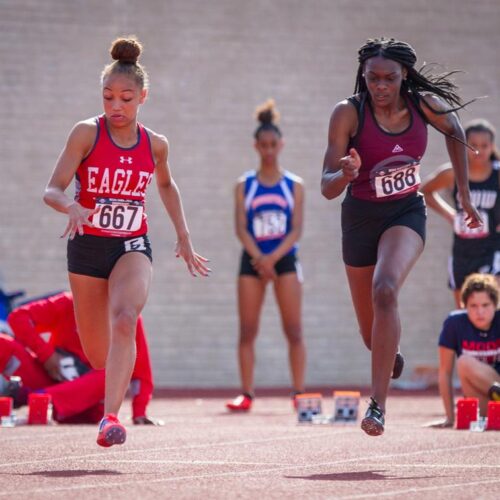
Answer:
(346, 405)
(308, 406)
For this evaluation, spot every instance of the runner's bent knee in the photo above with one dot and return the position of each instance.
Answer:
(124, 321)
(385, 294)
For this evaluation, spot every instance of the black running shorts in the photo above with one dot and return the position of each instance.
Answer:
(462, 265)
(364, 222)
(287, 264)
(97, 255)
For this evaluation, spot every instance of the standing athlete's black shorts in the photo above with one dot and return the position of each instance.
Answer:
(97, 255)
(364, 222)
(287, 264)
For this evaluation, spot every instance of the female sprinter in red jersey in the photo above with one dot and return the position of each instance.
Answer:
(375, 143)
(113, 159)
(269, 213)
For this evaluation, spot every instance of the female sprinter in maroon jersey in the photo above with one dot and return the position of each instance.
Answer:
(113, 159)
(376, 140)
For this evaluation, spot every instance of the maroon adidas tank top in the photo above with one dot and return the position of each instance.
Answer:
(390, 163)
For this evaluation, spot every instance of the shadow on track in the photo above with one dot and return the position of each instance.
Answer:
(369, 475)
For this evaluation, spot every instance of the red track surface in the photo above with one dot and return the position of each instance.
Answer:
(204, 452)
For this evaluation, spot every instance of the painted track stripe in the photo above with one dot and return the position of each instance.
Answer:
(274, 469)
(169, 448)
(419, 490)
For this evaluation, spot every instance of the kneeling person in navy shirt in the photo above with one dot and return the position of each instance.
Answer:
(473, 336)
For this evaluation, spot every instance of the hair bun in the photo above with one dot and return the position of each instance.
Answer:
(267, 113)
(126, 50)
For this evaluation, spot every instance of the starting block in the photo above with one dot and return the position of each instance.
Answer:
(5, 406)
(308, 406)
(467, 412)
(493, 416)
(7, 418)
(346, 405)
(39, 411)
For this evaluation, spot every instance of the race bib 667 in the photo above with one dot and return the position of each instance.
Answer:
(118, 215)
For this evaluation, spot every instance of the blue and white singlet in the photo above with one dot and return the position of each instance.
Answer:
(269, 210)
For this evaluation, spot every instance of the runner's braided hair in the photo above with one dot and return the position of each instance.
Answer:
(416, 82)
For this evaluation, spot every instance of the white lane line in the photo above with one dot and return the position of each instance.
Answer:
(256, 471)
(443, 466)
(121, 452)
(187, 462)
(418, 490)
(34, 435)
(225, 462)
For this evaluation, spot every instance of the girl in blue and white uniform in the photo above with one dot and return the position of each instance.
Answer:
(269, 214)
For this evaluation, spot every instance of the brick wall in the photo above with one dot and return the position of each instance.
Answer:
(210, 64)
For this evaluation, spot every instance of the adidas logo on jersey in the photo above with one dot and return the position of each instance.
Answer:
(397, 149)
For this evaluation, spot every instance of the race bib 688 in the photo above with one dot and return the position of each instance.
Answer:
(397, 180)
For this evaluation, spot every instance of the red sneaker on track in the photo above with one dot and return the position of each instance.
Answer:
(243, 402)
(293, 397)
(111, 431)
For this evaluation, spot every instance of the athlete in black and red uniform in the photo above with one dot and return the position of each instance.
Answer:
(109, 256)
(375, 143)
(46, 353)
(474, 250)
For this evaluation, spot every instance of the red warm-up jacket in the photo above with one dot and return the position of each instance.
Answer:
(49, 323)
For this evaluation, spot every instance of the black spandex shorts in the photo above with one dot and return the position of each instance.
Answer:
(97, 255)
(364, 222)
(461, 266)
(287, 264)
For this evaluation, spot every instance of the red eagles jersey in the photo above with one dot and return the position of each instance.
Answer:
(115, 179)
